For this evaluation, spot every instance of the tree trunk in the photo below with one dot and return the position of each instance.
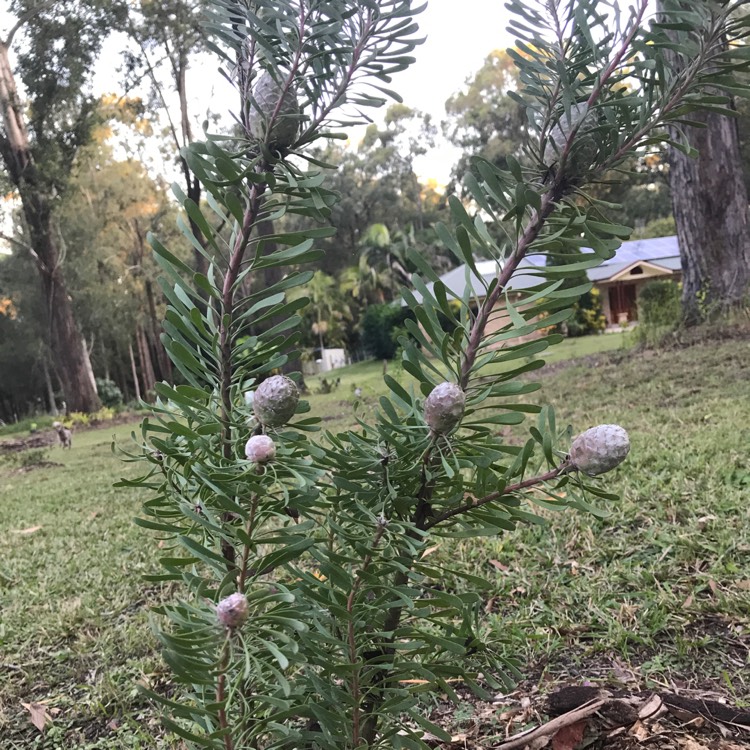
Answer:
(710, 205)
(49, 388)
(165, 365)
(68, 350)
(147, 367)
(709, 199)
(134, 370)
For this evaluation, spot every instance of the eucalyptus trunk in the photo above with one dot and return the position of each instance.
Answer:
(710, 205)
(68, 350)
(709, 200)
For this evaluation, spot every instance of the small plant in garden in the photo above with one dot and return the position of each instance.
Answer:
(309, 615)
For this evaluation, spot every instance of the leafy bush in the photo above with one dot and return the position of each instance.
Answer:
(381, 326)
(588, 315)
(77, 419)
(27, 459)
(659, 304)
(109, 393)
(105, 414)
(306, 602)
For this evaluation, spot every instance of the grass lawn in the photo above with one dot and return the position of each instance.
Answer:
(658, 592)
(337, 408)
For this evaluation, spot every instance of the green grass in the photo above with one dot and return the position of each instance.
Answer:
(665, 579)
(338, 408)
(662, 585)
(24, 426)
(74, 631)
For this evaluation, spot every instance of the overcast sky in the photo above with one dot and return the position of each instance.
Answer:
(459, 35)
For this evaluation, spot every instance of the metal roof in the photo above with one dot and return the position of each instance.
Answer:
(659, 251)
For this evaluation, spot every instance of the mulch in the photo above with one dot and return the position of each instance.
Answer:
(48, 438)
(575, 717)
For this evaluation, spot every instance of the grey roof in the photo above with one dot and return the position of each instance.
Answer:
(659, 251)
(656, 247)
(673, 263)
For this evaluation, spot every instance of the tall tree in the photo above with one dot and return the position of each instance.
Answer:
(483, 119)
(111, 207)
(709, 196)
(169, 37)
(60, 43)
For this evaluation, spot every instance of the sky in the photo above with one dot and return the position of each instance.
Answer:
(459, 36)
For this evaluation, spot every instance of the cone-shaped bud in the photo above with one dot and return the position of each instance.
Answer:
(260, 449)
(283, 132)
(444, 407)
(232, 611)
(584, 149)
(599, 449)
(275, 401)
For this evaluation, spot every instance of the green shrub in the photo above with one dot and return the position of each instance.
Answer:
(109, 393)
(659, 304)
(588, 317)
(381, 326)
(304, 600)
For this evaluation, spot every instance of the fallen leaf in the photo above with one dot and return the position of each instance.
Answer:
(743, 585)
(639, 731)
(39, 715)
(688, 743)
(499, 566)
(688, 602)
(93, 515)
(568, 738)
(713, 586)
(651, 707)
(29, 530)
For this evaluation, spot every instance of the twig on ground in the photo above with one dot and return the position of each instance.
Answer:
(552, 727)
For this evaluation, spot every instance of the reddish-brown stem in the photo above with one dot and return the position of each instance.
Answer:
(480, 322)
(605, 76)
(478, 503)
(674, 100)
(351, 634)
(617, 59)
(225, 335)
(221, 696)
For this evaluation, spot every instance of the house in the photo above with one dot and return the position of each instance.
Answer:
(636, 263)
(618, 279)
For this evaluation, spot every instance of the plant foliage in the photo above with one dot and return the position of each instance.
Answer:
(348, 620)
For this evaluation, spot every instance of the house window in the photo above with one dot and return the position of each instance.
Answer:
(637, 271)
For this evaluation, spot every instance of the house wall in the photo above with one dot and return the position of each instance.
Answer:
(638, 281)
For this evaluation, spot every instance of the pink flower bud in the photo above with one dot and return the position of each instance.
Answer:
(599, 449)
(260, 449)
(275, 401)
(444, 407)
(232, 611)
